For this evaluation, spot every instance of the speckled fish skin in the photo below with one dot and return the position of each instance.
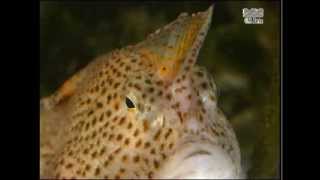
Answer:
(87, 130)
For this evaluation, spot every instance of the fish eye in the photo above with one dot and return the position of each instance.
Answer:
(129, 103)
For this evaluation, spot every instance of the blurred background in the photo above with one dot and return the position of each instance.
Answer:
(244, 60)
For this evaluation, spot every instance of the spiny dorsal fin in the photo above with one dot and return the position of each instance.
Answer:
(176, 45)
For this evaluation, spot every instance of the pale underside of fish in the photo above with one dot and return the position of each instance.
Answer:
(144, 111)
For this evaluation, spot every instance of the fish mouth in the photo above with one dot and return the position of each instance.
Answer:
(197, 153)
(199, 161)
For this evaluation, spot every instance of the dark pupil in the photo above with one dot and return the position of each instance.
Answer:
(129, 103)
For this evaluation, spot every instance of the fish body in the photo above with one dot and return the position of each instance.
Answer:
(144, 111)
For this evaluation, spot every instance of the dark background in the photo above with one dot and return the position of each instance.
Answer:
(243, 59)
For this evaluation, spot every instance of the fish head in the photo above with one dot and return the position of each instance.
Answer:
(144, 107)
